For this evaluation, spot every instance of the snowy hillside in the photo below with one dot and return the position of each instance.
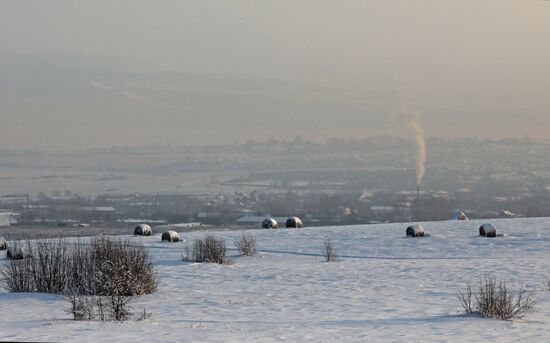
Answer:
(386, 288)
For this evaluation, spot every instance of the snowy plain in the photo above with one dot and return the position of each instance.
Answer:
(386, 288)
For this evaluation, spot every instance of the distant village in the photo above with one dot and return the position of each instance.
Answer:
(240, 209)
(337, 182)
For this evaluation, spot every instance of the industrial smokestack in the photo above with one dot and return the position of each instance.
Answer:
(418, 192)
(418, 136)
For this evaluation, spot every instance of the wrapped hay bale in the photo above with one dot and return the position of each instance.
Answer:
(15, 253)
(3, 244)
(488, 230)
(459, 215)
(170, 236)
(294, 222)
(270, 223)
(415, 230)
(143, 230)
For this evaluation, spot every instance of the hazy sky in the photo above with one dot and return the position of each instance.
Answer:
(271, 68)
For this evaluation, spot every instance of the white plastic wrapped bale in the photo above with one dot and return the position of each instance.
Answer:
(459, 215)
(15, 253)
(294, 222)
(143, 230)
(488, 230)
(270, 223)
(415, 230)
(170, 236)
(3, 244)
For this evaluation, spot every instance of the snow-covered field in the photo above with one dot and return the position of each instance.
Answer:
(386, 288)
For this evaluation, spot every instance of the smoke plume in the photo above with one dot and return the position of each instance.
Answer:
(418, 136)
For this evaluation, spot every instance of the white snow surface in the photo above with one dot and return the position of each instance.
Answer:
(386, 288)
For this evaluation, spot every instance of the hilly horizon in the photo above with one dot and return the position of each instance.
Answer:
(81, 101)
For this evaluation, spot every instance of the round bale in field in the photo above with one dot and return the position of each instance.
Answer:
(143, 230)
(294, 222)
(3, 244)
(15, 253)
(488, 230)
(170, 236)
(270, 223)
(415, 230)
(459, 215)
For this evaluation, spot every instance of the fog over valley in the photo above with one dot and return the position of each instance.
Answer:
(98, 74)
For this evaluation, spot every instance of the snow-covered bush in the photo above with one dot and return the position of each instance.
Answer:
(49, 264)
(122, 267)
(3, 243)
(246, 244)
(330, 252)
(105, 271)
(113, 273)
(15, 276)
(494, 299)
(82, 307)
(210, 249)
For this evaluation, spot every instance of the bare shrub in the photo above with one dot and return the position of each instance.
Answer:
(82, 307)
(246, 244)
(49, 265)
(103, 311)
(210, 249)
(122, 268)
(122, 272)
(99, 279)
(186, 256)
(466, 298)
(45, 268)
(15, 276)
(494, 299)
(145, 315)
(330, 252)
(89, 307)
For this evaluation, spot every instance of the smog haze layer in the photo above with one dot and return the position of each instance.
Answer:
(82, 74)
